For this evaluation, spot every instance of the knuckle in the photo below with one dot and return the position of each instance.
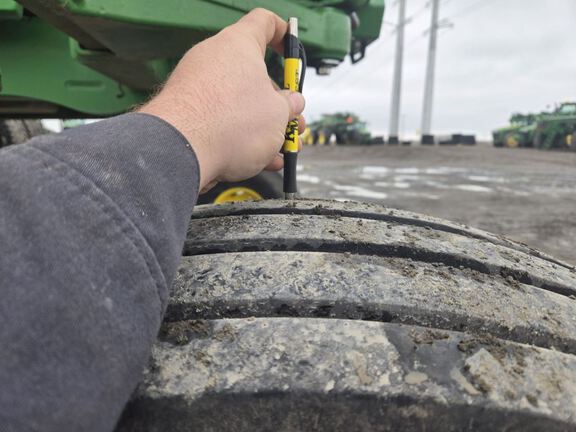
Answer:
(260, 11)
(264, 15)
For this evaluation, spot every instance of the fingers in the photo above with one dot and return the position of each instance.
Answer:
(265, 27)
(296, 103)
(277, 163)
(301, 119)
(208, 187)
(301, 124)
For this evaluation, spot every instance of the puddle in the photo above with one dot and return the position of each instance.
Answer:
(401, 185)
(404, 178)
(367, 193)
(485, 179)
(435, 184)
(375, 170)
(344, 187)
(368, 176)
(407, 170)
(473, 188)
(358, 191)
(308, 178)
(444, 170)
(480, 178)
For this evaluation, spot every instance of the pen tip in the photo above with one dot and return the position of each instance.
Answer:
(293, 26)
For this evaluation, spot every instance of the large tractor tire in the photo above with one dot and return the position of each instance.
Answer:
(571, 142)
(537, 140)
(498, 140)
(327, 316)
(511, 141)
(19, 131)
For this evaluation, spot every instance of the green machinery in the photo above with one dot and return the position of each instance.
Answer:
(346, 128)
(556, 129)
(517, 134)
(97, 58)
(546, 130)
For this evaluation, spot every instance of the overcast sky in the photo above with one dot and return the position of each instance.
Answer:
(501, 56)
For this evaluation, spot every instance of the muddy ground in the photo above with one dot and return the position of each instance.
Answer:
(527, 195)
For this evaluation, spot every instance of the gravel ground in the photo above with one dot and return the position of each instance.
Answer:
(527, 195)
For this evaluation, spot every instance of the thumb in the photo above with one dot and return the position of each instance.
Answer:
(296, 102)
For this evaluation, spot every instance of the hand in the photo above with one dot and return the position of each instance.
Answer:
(221, 99)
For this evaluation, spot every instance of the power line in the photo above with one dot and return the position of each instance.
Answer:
(355, 70)
(375, 67)
(417, 13)
(473, 7)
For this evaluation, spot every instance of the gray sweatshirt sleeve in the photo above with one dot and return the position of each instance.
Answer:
(92, 224)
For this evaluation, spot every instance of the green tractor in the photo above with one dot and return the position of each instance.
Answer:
(80, 59)
(518, 133)
(546, 130)
(345, 128)
(556, 130)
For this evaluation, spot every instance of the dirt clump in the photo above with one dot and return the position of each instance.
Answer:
(493, 345)
(225, 332)
(182, 332)
(427, 337)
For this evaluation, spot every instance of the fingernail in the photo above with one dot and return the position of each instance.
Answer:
(298, 102)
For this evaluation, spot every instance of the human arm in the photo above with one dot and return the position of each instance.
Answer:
(92, 223)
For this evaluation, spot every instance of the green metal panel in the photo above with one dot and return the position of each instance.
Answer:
(371, 16)
(139, 75)
(136, 43)
(10, 10)
(37, 63)
(149, 29)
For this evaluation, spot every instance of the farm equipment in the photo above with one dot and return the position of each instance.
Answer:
(98, 58)
(555, 130)
(345, 128)
(518, 134)
(308, 315)
(546, 130)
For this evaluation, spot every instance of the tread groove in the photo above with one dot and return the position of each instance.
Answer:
(371, 249)
(323, 211)
(351, 372)
(413, 317)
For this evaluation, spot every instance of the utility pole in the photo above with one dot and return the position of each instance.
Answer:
(427, 137)
(397, 83)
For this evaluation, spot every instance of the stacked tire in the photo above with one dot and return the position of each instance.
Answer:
(329, 316)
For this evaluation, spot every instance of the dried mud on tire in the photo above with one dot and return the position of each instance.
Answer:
(330, 316)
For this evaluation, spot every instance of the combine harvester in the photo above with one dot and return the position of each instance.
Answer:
(308, 315)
